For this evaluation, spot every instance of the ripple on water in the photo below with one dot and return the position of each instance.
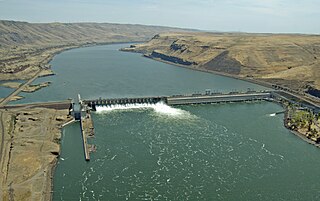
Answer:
(160, 109)
(143, 155)
(176, 159)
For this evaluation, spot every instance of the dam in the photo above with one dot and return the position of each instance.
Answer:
(88, 105)
(205, 98)
(81, 110)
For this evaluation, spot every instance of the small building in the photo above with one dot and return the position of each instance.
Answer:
(76, 111)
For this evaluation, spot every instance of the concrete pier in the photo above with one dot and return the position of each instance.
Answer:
(121, 101)
(67, 123)
(87, 130)
(84, 139)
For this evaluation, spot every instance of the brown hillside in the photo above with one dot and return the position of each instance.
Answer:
(290, 60)
(25, 47)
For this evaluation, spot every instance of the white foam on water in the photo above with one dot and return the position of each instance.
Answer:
(159, 107)
(162, 108)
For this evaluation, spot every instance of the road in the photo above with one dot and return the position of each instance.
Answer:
(300, 99)
(2, 135)
(65, 104)
(17, 91)
(6, 100)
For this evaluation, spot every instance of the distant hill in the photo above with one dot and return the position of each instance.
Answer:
(26, 47)
(24, 33)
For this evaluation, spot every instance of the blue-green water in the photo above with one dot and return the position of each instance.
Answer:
(5, 91)
(196, 152)
(103, 71)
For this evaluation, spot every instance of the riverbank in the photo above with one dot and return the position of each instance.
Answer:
(29, 47)
(28, 89)
(303, 123)
(39, 68)
(261, 82)
(287, 61)
(31, 146)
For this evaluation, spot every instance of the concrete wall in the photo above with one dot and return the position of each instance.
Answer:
(216, 98)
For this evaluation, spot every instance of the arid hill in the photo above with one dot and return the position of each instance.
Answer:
(26, 47)
(289, 60)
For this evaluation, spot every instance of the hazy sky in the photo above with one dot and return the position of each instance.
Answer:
(291, 16)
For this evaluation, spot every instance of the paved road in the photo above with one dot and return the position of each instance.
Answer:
(297, 98)
(17, 91)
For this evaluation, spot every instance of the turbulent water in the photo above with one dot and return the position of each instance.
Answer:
(201, 152)
(238, 151)
(160, 108)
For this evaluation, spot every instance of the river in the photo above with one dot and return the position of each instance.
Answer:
(197, 152)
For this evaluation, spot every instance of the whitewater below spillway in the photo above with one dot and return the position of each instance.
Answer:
(159, 108)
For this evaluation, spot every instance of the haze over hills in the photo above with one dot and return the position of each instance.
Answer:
(24, 47)
(23, 33)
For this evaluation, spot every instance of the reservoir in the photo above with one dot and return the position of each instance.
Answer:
(197, 152)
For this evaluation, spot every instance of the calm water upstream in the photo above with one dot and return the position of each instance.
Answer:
(202, 152)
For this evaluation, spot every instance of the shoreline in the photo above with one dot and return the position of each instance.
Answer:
(306, 97)
(44, 64)
(270, 85)
(50, 175)
(297, 133)
(192, 67)
(39, 167)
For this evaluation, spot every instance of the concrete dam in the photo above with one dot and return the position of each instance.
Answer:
(81, 111)
(206, 98)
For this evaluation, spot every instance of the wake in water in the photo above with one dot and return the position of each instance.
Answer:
(160, 108)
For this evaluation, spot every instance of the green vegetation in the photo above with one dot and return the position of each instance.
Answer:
(305, 122)
(302, 118)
